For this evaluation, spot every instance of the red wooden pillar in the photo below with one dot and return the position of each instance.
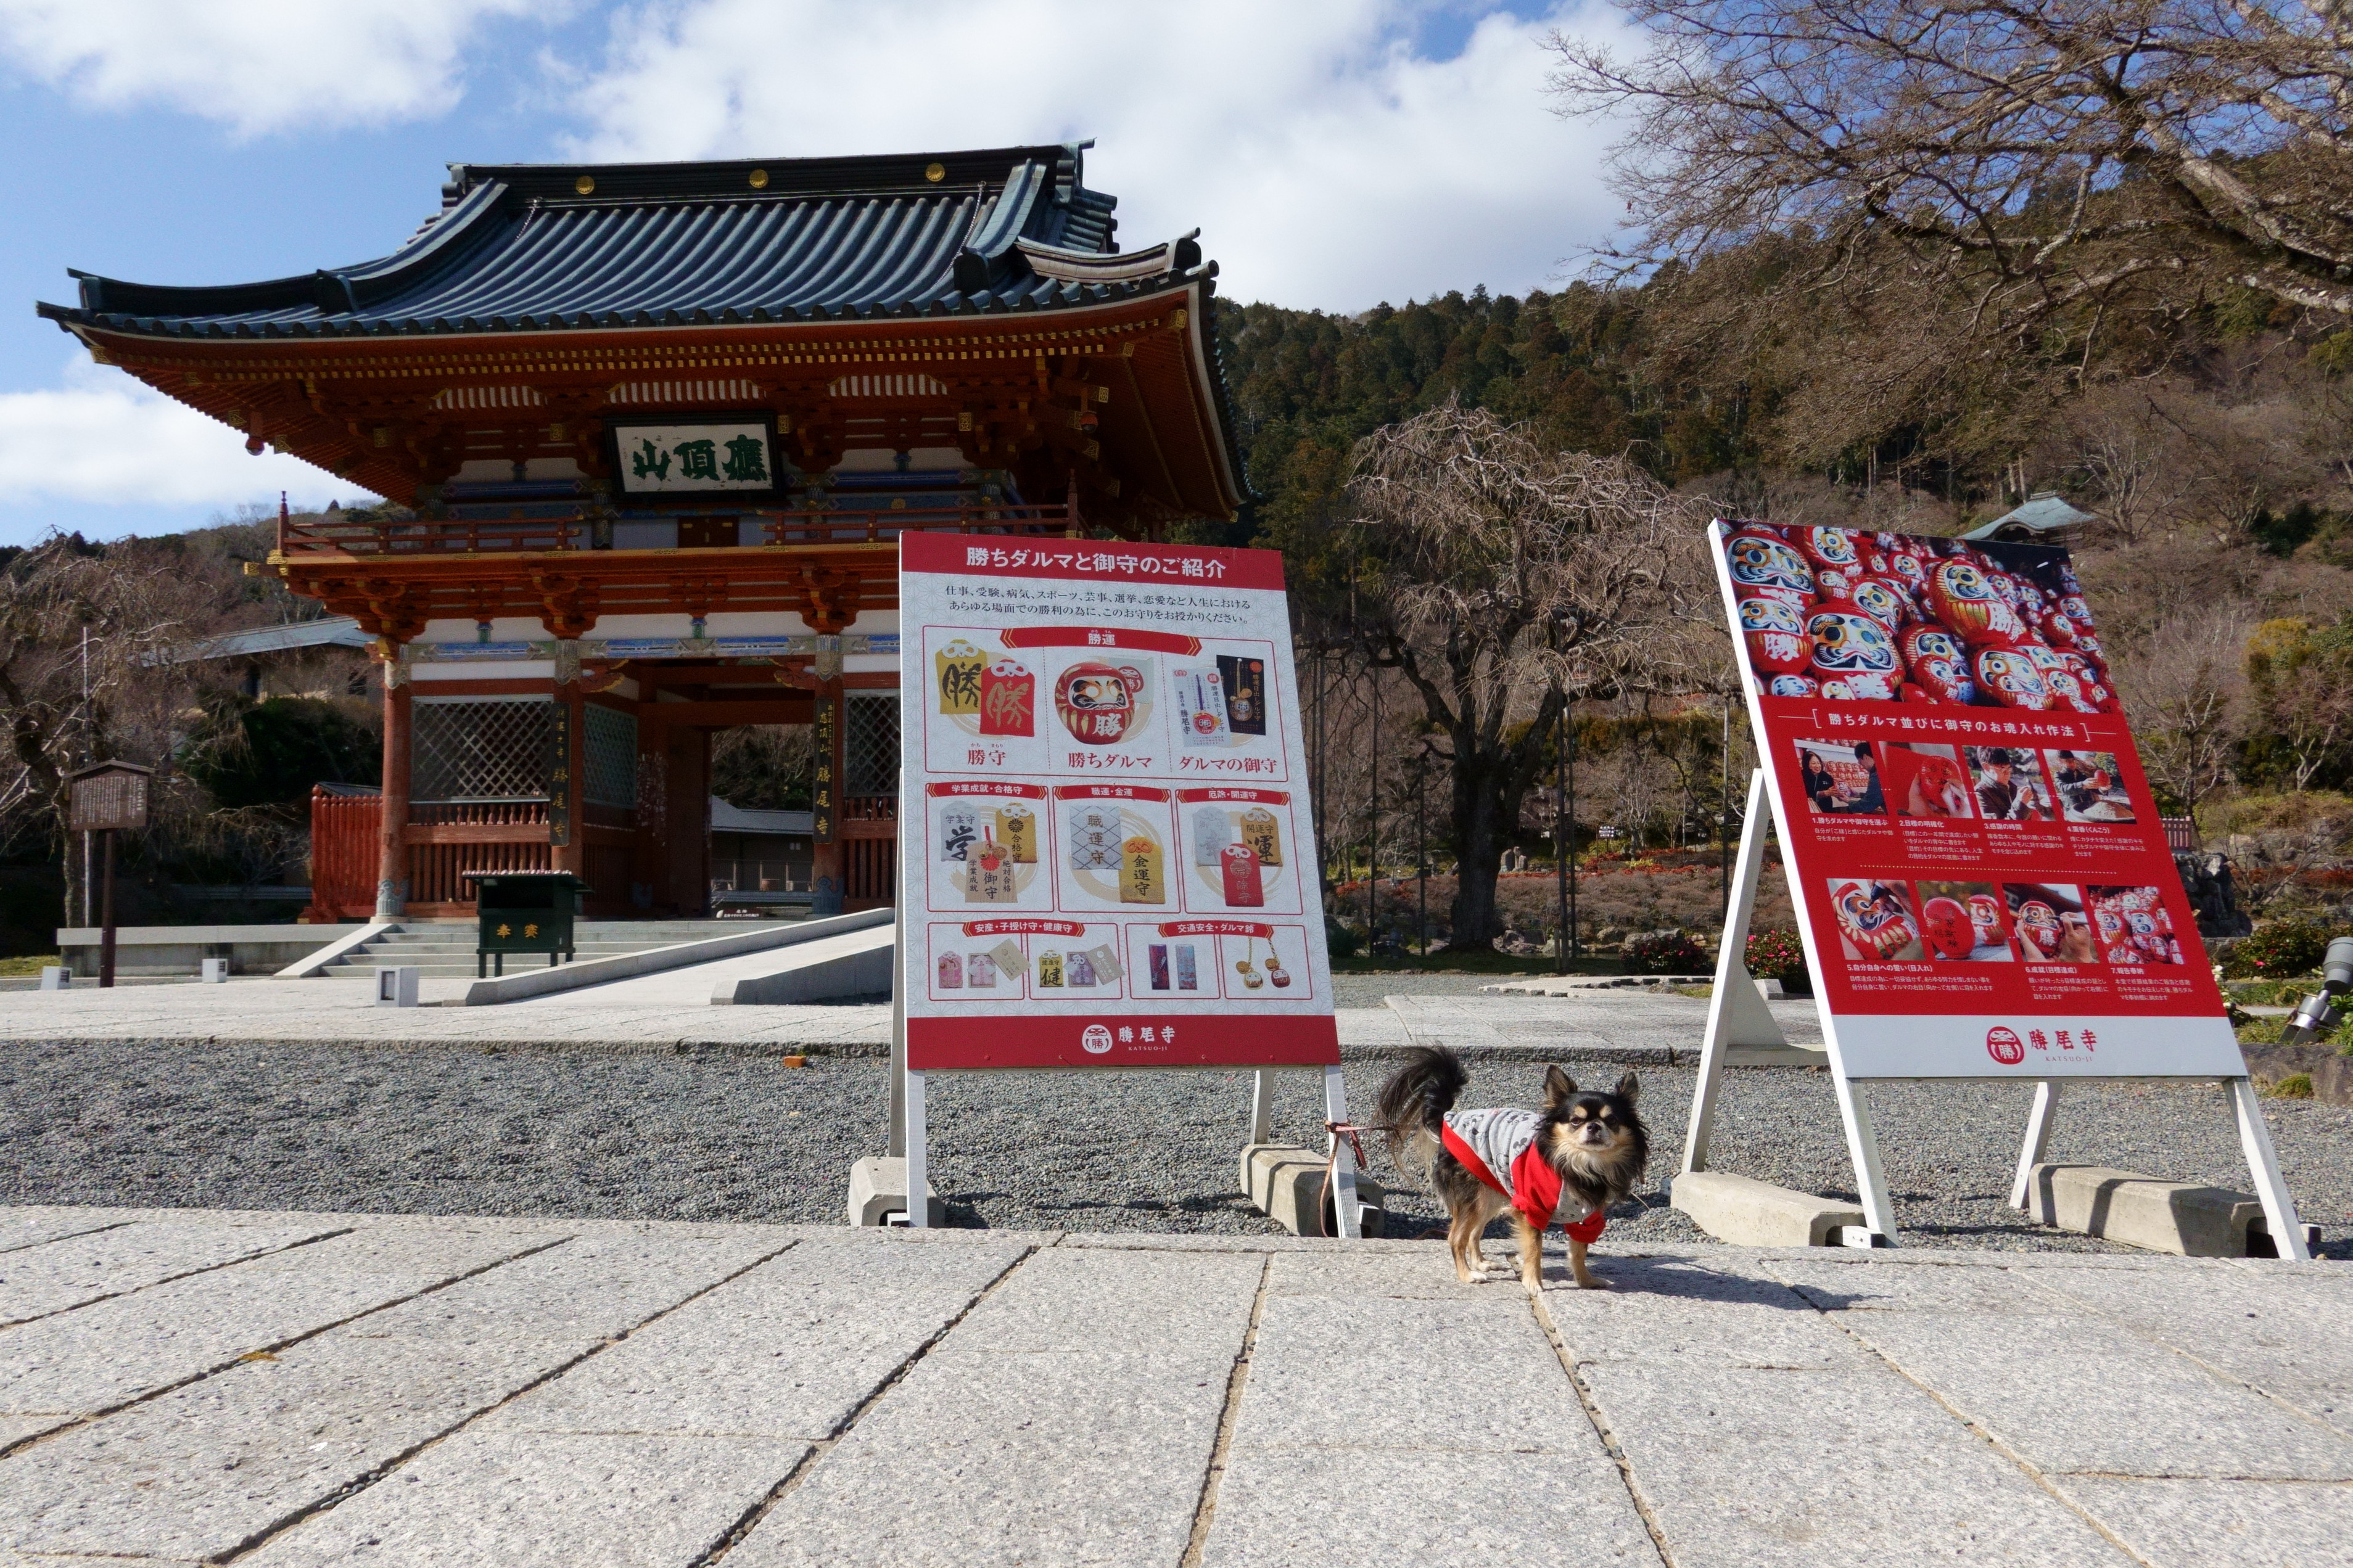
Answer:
(392, 864)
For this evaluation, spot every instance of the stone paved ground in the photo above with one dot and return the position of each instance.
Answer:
(671, 1012)
(307, 1389)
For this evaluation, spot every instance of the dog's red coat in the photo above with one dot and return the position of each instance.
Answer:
(1535, 1190)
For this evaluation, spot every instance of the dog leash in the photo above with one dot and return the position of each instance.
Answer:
(1337, 1131)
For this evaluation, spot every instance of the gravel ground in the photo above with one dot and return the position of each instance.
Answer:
(454, 1132)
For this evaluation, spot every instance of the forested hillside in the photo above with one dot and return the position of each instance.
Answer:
(2215, 445)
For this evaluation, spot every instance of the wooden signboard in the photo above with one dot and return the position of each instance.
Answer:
(108, 798)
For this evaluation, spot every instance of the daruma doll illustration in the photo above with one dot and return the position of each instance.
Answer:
(1008, 699)
(1853, 656)
(1992, 923)
(1763, 567)
(1776, 633)
(1938, 663)
(1965, 600)
(1096, 702)
(1871, 919)
(1945, 927)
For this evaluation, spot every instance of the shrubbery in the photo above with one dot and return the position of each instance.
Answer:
(2279, 949)
(1663, 953)
(1342, 941)
(1777, 953)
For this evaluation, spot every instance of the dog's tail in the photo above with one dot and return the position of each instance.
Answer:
(1414, 1103)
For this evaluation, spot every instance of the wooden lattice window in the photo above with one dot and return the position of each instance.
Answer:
(480, 749)
(612, 757)
(869, 744)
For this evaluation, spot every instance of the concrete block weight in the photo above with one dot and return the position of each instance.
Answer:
(1284, 1184)
(878, 1189)
(1749, 1213)
(2179, 1217)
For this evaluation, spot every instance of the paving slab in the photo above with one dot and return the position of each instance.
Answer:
(1392, 1412)
(2221, 1524)
(54, 1276)
(1617, 1025)
(978, 1397)
(972, 1459)
(34, 1226)
(2026, 1356)
(525, 1499)
(1426, 1507)
(1128, 1303)
(787, 1350)
(2288, 1333)
(1748, 1467)
(100, 1355)
(1070, 1417)
(2088, 1394)
(1666, 1311)
(209, 1466)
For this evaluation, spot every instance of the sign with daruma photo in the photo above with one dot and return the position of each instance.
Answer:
(1979, 868)
(1106, 853)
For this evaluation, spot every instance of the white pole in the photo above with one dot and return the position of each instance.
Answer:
(1261, 1107)
(919, 1208)
(2255, 1137)
(1731, 971)
(1863, 1148)
(2038, 1140)
(1344, 1163)
(899, 1032)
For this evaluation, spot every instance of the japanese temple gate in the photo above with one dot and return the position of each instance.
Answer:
(650, 432)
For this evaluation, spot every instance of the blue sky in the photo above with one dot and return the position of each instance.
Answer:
(1335, 154)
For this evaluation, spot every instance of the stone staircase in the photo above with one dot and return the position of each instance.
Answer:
(444, 950)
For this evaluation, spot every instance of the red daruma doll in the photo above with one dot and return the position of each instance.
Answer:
(1008, 699)
(1096, 703)
(1945, 927)
(1985, 915)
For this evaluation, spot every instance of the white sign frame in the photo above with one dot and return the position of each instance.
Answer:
(1742, 1032)
(1065, 591)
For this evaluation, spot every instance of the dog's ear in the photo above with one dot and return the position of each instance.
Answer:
(1559, 1088)
(1628, 1089)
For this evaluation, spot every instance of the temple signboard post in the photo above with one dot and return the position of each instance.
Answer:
(106, 798)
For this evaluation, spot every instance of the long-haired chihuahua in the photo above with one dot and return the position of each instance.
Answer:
(1566, 1162)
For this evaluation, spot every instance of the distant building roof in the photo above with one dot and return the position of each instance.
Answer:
(726, 819)
(2045, 515)
(334, 631)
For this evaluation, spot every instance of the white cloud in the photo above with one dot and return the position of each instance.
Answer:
(104, 438)
(255, 66)
(1326, 162)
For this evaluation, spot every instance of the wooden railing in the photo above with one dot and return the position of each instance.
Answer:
(346, 852)
(484, 813)
(879, 522)
(440, 536)
(876, 522)
(437, 872)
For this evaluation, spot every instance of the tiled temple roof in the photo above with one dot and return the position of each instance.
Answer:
(533, 248)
